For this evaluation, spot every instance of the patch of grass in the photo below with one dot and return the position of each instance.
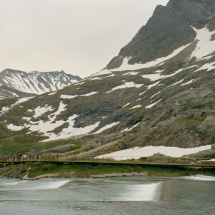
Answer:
(86, 170)
(18, 143)
(107, 150)
(21, 143)
(47, 168)
(78, 146)
(50, 145)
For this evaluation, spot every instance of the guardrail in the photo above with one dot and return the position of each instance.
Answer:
(89, 160)
(54, 157)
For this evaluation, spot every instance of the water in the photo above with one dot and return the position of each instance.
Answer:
(136, 195)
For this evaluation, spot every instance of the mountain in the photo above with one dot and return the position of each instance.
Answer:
(169, 28)
(158, 91)
(15, 83)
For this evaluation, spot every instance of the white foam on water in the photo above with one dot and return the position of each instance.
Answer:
(200, 178)
(143, 192)
(12, 183)
(49, 185)
(35, 184)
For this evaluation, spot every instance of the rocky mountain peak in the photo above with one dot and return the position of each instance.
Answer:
(201, 6)
(169, 28)
(15, 83)
(195, 12)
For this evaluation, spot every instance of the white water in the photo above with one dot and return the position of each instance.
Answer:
(120, 191)
(200, 178)
(135, 195)
(42, 184)
(143, 192)
(48, 185)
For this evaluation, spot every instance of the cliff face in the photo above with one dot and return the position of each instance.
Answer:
(169, 28)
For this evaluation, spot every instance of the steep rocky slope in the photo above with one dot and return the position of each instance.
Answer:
(159, 90)
(14, 83)
(169, 28)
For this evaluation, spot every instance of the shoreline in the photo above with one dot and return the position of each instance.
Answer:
(35, 171)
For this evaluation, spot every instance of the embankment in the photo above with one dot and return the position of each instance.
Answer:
(40, 170)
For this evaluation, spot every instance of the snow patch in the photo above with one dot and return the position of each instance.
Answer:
(74, 96)
(207, 66)
(155, 94)
(68, 96)
(177, 82)
(126, 85)
(153, 85)
(129, 129)
(89, 94)
(50, 94)
(61, 108)
(137, 106)
(153, 77)
(39, 111)
(125, 66)
(205, 45)
(189, 82)
(71, 131)
(15, 127)
(106, 127)
(137, 152)
(126, 105)
(131, 73)
(6, 109)
(152, 105)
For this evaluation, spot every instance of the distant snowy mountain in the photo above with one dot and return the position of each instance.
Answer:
(14, 83)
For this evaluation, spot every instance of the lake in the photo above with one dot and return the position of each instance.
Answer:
(132, 195)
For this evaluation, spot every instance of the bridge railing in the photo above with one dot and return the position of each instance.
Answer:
(89, 158)
(53, 157)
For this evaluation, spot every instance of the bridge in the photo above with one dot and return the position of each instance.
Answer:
(56, 159)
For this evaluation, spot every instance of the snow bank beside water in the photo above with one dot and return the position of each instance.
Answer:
(137, 153)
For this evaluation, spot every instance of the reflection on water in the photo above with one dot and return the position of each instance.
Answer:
(137, 195)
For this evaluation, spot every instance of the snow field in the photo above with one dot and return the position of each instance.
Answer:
(129, 129)
(39, 111)
(138, 152)
(126, 85)
(151, 105)
(106, 127)
(74, 96)
(205, 45)
(125, 66)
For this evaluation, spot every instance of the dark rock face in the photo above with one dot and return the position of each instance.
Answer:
(168, 29)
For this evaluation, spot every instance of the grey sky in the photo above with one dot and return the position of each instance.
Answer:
(77, 36)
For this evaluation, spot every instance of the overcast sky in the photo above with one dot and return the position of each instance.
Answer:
(77, 36)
